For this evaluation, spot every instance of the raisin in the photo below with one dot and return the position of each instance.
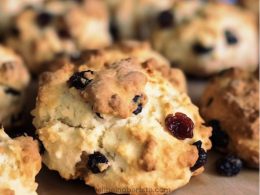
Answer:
(136, 98)
(202, 156)
(79, 81)
(165, 19)
(14, 31)
(200, 49)
(230, 38)
(138, 109)
(99, 115)
(229, 165)
(64, 34)
(12, 91)
(44, 19)
(180, 125)
(219, 138)
(94, 160)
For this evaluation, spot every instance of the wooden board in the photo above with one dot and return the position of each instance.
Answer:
(208, 183)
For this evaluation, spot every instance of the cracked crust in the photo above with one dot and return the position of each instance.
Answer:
(235, 104)
(14, 80)
(68, 27)
(142, 51)
(199, 44)
(20, 163)
(141, 153)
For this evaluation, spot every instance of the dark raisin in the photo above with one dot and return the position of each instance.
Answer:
(229, 165)
(113, 29)
(180, 125)
(14, 31)
(12, 91)
(79, 81)
(166, 19)
(210, 101)
(94, 160)
(219, 138)
(64, 34)
(44, 19)
(202, 156)
(200, 49)
(230, 38)
(99, 115)
(138, 109)
(136, 98)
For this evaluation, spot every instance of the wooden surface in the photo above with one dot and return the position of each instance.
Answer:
(208, 183)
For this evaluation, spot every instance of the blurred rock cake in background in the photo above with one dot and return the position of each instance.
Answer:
(210, 38)
(230, 104)
(20, 163)
(39, 34)
(14, 80)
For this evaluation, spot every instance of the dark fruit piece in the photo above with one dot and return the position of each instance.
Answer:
(165, 19)
(219, 138)
(113, 29)
(180, 125)
(64, 34)
(79, 81)
(200, 49)
(14, 31)
(44, 19)
(136, 98)
(230, 165)
(202, 156)
(94, 160)
(138, 109)
(230, 38)
(99, 115)
(12, 91)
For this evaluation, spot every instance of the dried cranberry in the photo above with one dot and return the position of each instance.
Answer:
(94, 160)
(202, 156)
(180, 125)
(44, 18)
(165, 19)
(79, 81)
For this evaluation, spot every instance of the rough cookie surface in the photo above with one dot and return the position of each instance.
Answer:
(142, 51)
(59, 27)
(233, 100)
(110, 152)
(20, 161)
(14, 79)
(210, 41)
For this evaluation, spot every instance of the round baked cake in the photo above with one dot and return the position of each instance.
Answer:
(14, 80)
(39, 35)
(120, 127)
(206, 42)
(10, 8)
(20, 161)
(230, 104)
(133, 18)
(124, 49)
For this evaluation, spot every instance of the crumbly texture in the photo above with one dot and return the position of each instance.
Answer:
(39, 35)
(10, 8)
(210, 41)
(140, 152)
(233, 100)
(142, 51)
(20, 161)
(133, 18)
(14, 79)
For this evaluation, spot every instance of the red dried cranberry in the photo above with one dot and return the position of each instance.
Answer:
(180, 125)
